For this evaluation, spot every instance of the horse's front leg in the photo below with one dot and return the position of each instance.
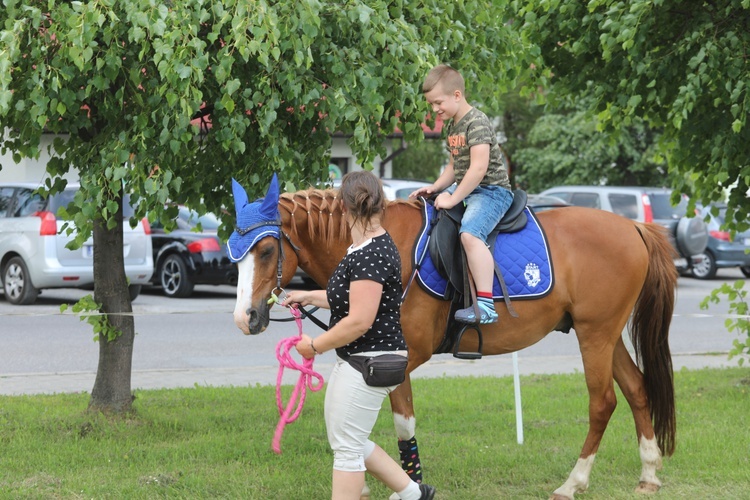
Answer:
(597, 366)
(402, 406)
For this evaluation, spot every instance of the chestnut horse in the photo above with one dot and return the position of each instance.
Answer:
(606, 267)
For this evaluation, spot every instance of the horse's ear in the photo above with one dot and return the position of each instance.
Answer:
(271, 201)
(240, 196)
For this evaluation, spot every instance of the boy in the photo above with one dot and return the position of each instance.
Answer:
(477, 166)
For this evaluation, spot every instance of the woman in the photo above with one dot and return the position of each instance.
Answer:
(364, 296)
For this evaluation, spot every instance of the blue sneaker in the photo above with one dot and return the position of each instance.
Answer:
(486, 315)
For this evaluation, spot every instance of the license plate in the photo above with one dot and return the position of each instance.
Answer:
(88, 251)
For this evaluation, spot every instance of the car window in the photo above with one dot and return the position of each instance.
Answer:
(662, 208)
(590, 200)
(190, 218)
(6, 197)
(63, 199)
(565, 196)
(403, 193)
(624, 204)
(28, 203)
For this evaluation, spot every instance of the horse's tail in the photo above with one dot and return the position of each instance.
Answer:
(649, 333)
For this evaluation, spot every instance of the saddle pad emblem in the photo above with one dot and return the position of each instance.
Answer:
(532, 274)
(523, 258)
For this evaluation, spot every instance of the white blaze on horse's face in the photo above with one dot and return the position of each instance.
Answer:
(245, 271)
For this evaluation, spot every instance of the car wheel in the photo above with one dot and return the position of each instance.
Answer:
(173, 276)
(746, 271)
(134, 291)
(17, 283)
(706, 268)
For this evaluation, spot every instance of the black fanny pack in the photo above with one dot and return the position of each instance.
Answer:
(384, 370)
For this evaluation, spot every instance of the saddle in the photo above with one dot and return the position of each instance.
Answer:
(445, 247)
(446, 252)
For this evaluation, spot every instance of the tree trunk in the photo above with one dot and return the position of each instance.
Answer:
(111, 391)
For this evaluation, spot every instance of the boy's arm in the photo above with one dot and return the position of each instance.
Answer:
(480, 161)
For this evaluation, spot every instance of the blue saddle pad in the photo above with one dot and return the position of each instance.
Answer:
(523, 258)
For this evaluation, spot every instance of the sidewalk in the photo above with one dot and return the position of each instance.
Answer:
(443, 365)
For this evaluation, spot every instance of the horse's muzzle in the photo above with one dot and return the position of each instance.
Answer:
(257, 320)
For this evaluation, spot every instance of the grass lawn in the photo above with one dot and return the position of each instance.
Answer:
(216, 443)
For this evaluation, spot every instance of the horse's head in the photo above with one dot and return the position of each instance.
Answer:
(256, 247)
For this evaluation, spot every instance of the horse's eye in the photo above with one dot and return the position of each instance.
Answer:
(266, 253)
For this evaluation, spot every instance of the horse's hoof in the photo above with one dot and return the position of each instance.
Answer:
(557, 496)
(647, 488)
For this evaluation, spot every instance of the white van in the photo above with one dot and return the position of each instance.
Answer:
(33, 255)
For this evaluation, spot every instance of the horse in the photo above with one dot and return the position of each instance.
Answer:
(609, 272)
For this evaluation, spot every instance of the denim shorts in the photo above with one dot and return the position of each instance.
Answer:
(485, 206)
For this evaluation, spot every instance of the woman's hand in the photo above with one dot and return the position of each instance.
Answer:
(296, 297)
(304, 347)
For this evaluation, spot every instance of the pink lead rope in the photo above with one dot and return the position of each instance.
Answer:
(283, 354)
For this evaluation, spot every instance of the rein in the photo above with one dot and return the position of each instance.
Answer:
(304, 382)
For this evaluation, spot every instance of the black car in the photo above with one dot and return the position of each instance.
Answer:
(184, 257)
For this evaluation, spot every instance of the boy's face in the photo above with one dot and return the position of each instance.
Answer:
(445, 104)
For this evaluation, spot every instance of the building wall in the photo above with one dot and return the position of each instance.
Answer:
(30, 169)
(341, 153)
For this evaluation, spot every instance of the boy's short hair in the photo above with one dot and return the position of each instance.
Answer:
(448, 78)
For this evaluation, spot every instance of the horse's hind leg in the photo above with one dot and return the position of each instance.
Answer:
(630, 380)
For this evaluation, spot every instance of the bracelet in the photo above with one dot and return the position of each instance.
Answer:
(313, 347)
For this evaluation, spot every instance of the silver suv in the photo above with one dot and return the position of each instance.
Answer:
(32, 249)
(645, 204)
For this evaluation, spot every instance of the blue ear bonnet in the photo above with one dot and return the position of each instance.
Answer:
(255, 220)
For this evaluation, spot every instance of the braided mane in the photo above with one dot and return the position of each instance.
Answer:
(321, 206)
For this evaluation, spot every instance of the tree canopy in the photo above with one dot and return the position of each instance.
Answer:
(564, 147)
(681, 67)
(127, 81)
(167, 101)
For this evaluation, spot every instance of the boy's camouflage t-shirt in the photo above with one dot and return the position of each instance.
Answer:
(475, 128)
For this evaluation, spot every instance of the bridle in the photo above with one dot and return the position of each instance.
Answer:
(278, 290)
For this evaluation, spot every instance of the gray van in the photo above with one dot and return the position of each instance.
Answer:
(645, 204)
(33, 255)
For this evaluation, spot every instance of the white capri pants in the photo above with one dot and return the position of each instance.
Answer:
(351, 410)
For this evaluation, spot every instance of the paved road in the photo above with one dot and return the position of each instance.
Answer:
(181, 343)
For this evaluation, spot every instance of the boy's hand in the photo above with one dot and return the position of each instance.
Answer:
(444, 201)
(425, 191)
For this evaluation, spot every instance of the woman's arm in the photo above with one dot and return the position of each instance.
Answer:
(364, 300)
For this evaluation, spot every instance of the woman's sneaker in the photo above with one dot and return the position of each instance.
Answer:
(486, 315)
(428, 492)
